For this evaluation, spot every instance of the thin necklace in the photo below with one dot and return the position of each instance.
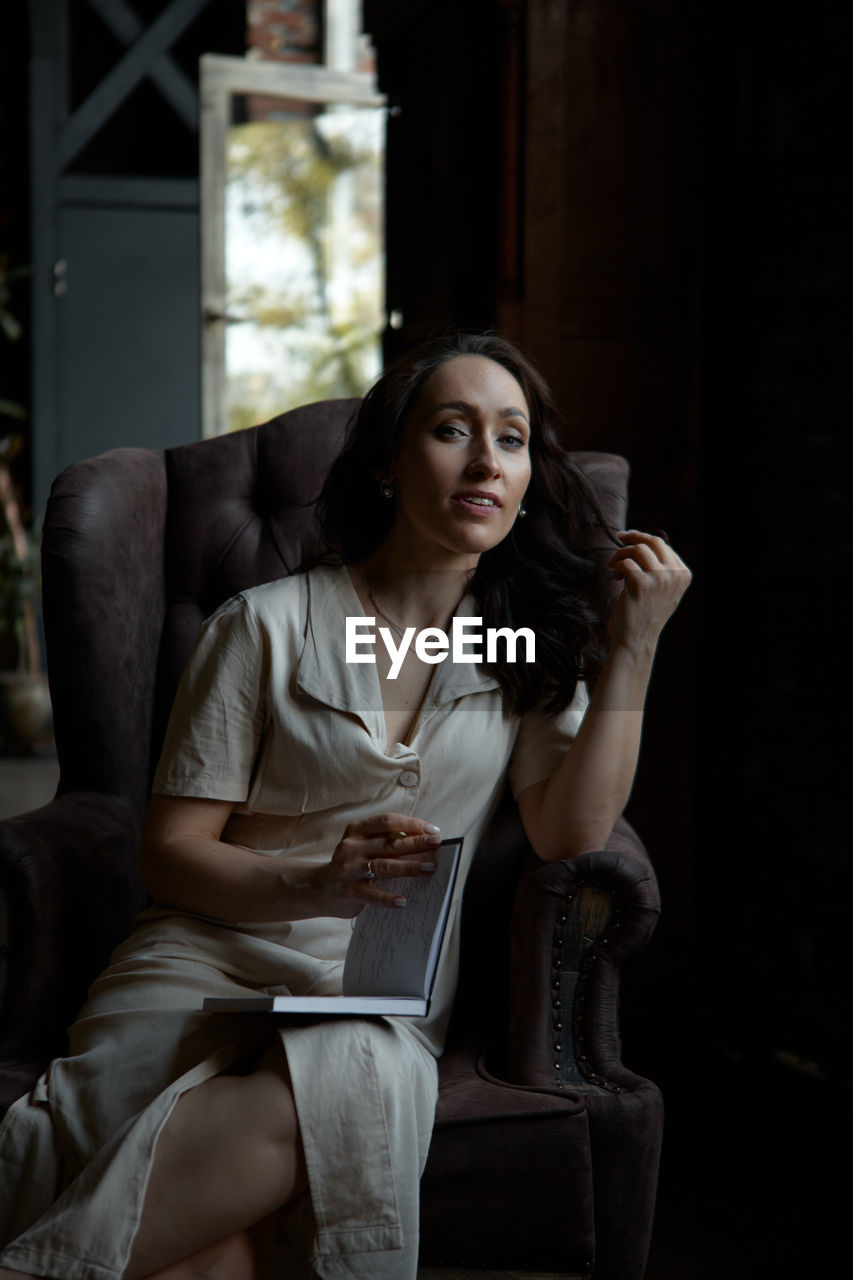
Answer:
(381, 611)
(390, 621)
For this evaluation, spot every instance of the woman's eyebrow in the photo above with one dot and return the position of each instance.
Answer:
(462, 406)
(458, 406)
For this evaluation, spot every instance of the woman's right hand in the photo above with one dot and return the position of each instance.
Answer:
(372, 850)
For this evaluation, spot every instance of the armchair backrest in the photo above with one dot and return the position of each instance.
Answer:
(140, 546)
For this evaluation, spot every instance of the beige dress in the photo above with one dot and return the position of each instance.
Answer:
(270, 716)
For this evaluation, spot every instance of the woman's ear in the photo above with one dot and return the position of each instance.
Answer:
(386, 471)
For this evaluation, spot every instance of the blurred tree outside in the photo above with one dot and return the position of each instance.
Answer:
(304, 259)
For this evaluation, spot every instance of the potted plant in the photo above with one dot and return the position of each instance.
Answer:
(25, 717)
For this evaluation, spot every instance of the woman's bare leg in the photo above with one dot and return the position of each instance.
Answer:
(229, 1155)
(244, 1256)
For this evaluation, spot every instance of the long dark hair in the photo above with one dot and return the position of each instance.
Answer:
(536, 577)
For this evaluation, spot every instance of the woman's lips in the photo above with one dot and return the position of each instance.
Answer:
(482, 508)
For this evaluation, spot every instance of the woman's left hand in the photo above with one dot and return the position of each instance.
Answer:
(655, 579)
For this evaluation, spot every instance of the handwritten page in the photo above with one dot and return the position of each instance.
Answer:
(394, 952)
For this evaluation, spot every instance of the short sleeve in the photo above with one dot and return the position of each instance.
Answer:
(218, 716)
(542, 741)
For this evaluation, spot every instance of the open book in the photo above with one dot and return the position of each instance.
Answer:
(392, 956)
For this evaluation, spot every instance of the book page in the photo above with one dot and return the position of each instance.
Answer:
(394, 951)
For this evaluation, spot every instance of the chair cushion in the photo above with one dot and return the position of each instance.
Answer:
(240, 513)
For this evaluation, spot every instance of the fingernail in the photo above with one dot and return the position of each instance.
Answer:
(427, 866)
(433, 839)
(430, 829)
(400, 902)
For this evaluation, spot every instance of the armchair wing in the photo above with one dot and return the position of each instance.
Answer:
(68, 875)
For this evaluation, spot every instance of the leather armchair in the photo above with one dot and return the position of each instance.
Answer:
(546, 1147)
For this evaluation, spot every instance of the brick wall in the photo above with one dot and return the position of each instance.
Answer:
(285, 30)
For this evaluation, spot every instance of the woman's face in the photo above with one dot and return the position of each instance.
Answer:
(462, 466)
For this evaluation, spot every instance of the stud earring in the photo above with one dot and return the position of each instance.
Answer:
(522, 509)
(386, 488)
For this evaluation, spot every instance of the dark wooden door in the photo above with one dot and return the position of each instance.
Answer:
(126, 357)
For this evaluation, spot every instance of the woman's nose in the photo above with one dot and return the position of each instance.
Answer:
(484, 460)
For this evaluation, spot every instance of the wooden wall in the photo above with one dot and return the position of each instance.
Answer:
(608, 303)
(665, 229)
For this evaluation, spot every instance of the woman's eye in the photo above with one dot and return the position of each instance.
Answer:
(448, 430)
(514, 442)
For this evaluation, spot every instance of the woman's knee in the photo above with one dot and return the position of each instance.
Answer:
(272, 1097)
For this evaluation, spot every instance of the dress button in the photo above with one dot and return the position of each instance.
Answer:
(408, 778)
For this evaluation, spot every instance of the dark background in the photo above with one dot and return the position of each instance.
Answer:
(655, 200)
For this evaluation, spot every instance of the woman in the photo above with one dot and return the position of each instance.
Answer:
(185, 1144)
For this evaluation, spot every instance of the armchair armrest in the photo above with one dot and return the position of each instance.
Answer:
(593, 1128)
(573, 925)
(69, 879)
